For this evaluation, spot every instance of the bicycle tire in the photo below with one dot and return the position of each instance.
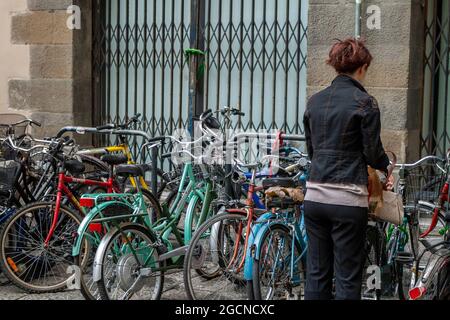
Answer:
(88, 288)
(257, 263)
(375, 255)
(90, 291)
(107, 241)
(414, 233)
(216, 226)
(6, 265)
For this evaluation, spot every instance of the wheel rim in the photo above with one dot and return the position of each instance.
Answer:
(28, 261)
(123, 267)
(217, 239)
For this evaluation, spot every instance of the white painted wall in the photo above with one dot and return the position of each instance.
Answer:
(14, 59)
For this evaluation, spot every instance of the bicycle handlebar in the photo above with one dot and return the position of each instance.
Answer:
(29, 121)
(233, 111)
(24, 150)
(419, 162)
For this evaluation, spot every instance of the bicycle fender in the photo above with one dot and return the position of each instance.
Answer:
(260, 234)
(429, 277)
(248, 265)
(97, 265)
(83, 227)
(189, 217)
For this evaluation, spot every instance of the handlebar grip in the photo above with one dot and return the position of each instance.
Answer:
(36, 123)
(106, 127)
(134, 119)
(166, 155)
(205, 115)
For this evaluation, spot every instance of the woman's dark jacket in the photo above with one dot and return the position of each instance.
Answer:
(342, 128)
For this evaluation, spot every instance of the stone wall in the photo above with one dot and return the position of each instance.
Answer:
(15, 58)
(395, 77)
(58, 91)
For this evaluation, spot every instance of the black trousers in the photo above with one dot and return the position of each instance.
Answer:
(336, 241)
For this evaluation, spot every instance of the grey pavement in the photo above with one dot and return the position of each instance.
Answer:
(173, 290)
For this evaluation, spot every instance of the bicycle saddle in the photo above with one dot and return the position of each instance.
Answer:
(133, 170)
(209, 120)
(74, 166)
(114, 159)
(279, 182)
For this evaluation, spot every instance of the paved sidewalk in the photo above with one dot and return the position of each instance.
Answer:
(173, 290)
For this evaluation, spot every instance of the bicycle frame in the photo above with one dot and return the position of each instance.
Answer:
(63, 179)
(121, 148)
(267, 222)
(162, 228)
(96, 222)
(249, 211)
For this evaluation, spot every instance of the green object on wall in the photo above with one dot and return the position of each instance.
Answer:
(196, 52)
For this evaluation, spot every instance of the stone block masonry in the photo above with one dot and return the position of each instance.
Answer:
(395, 77)
(58, 92)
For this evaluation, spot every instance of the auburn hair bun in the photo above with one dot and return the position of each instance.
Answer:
(349, 55)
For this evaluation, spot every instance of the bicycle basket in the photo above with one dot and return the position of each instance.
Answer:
(9, 172)
(424, 183)
(7, 119)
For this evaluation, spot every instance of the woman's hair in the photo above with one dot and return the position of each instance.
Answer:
(349, 55)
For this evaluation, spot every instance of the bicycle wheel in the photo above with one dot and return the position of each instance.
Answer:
(91, 239)
(419, 220)
(192, 223)
(24, 257)
(88, 287)
(278, 272)
(128, 258)
(375, 257)
(94, 167)
(217, 247)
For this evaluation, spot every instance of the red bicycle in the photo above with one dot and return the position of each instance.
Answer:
(36, 242)
(433, 283)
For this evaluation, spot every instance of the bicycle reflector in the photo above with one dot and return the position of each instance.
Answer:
(96, 227)
(87, 202)
(417, 293)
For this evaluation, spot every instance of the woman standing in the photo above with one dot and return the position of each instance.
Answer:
(342, 127)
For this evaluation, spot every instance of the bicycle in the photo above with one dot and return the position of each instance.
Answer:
(36, 241)
(418, 181)
(433, 282)
(146, 248)
(95, 224)
(191, 191)
(122, 148)
(276, 259)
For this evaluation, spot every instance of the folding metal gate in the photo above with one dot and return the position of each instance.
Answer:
(435, 137)
(255, 60)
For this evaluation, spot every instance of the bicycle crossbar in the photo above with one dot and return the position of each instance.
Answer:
(178, 252)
